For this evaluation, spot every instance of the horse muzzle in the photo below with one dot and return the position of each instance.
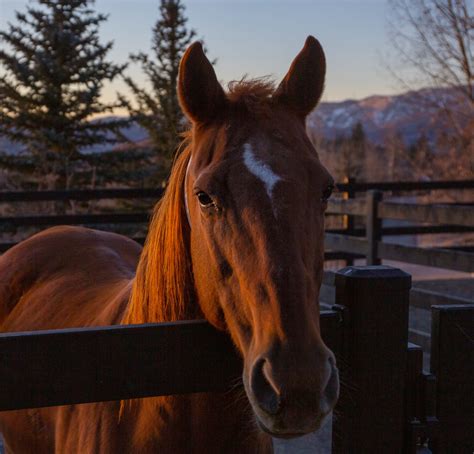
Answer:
(291, 401)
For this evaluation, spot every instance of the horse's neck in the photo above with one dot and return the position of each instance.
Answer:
(195, 423)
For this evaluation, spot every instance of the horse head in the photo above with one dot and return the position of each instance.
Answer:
(255, 196)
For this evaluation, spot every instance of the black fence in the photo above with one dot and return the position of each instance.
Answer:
(368, 243)
(387, 404)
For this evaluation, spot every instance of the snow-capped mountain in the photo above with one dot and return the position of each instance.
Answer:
(409, 115)
(133, 132)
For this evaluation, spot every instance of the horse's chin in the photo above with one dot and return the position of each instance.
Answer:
(283, 435)
(287, 434)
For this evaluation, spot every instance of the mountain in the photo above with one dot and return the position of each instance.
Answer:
(409, 115)
(133, 132)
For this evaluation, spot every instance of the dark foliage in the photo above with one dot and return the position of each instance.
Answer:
(53, 71)
(156, 107)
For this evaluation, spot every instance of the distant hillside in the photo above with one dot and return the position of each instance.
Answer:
(410, 115)
(133, 132)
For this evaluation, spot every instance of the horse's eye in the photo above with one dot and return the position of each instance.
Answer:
(327, 193)
(204, 200)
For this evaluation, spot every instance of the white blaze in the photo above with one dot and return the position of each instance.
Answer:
(261, 170)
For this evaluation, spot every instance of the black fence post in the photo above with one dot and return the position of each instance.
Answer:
(373, 226)
(452, 362)
(370, 416)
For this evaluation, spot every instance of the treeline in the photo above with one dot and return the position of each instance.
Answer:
(53, 70)
(449, 156)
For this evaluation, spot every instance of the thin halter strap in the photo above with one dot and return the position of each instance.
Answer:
(186, 193)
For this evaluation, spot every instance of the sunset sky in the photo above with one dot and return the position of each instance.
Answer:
(261, 37)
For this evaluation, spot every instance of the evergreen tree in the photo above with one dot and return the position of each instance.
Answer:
(358, 134)
(358, 144)
(157, 109)
(53, 69)
(351, 154)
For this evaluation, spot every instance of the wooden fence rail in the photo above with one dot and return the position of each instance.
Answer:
(439, 258)
(405, 186)
(80, 365)
(80, 194)
(435, 214)
(75, 219)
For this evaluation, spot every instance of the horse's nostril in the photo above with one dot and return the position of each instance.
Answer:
(266, 395)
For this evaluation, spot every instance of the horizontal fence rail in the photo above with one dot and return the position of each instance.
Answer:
(408, 230)
(355, 207)
(80, 365)
(76, 219)
(435, 214)
(80, 194)
(425, 299)
(438, 258)
(405, 185)
(345, 243)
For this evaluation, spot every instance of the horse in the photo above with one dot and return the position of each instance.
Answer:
(237, 239)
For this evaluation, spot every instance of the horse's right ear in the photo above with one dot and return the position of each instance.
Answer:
(200, 94)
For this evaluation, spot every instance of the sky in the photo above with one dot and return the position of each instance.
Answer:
(260, 37)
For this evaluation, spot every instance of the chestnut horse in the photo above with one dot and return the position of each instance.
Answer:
(237, 239)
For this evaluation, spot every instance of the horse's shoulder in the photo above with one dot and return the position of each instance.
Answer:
(64, 252)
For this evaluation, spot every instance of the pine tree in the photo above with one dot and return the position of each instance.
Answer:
(350, 154)
(51, 79)
(358, 144)
(157, 109)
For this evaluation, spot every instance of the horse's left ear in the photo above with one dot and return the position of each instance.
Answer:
(303, 85)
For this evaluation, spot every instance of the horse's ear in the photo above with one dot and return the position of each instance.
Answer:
(201, 96)
(303, 85)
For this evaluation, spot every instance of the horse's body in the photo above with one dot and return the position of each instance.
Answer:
(73, 277)
(214, 251)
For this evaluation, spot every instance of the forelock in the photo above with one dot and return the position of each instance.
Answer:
(254, 95)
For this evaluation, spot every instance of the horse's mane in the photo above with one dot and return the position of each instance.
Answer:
(163, 285)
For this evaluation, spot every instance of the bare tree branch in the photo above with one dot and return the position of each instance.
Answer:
(434, 39)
